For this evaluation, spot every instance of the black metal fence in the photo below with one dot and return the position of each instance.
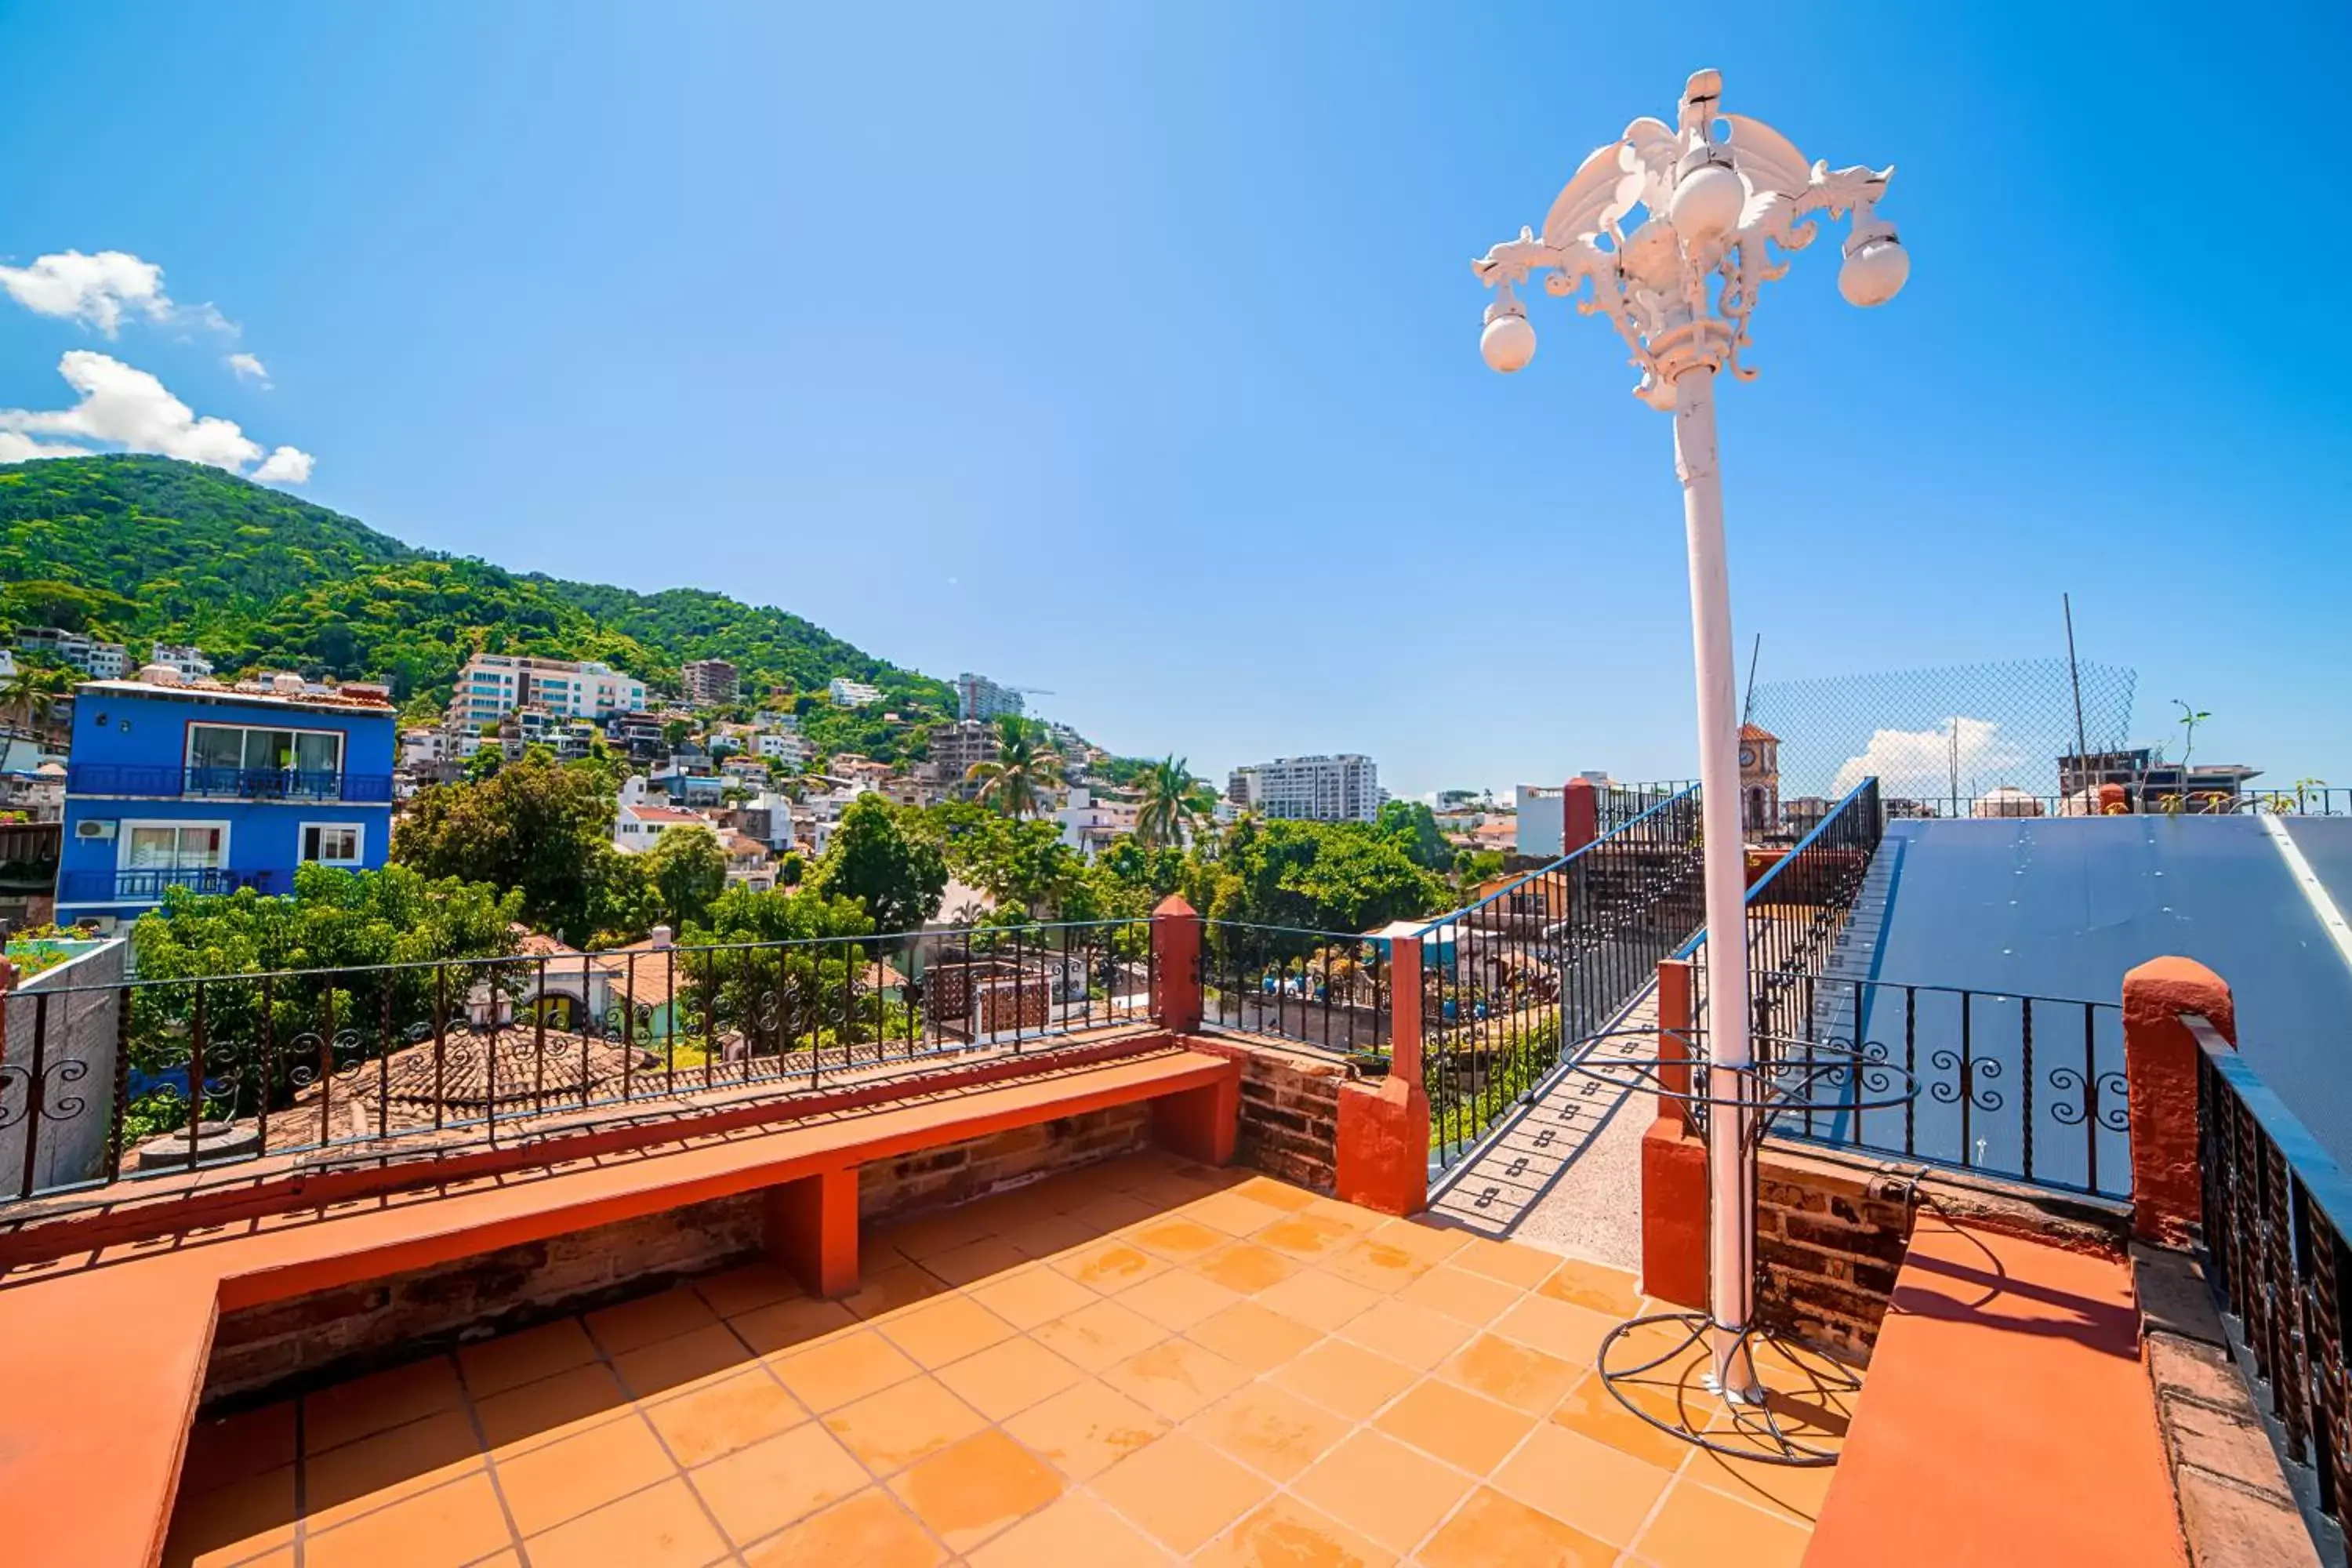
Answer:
(2292, 800)
(2278, 1214)
(104, 1081)
(1326, 990)
(1618, 805)
(1548, 961)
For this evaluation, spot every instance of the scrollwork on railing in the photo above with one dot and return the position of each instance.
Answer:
(1972, 1073)
(17, 1097)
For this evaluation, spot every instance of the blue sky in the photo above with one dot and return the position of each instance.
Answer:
(1130, 351)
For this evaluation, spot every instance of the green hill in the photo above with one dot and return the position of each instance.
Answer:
(145, 550)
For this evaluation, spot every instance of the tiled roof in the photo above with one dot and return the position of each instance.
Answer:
(1756, 732)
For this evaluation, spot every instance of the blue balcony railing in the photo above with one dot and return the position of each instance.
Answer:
(154, 782)
(145, 886)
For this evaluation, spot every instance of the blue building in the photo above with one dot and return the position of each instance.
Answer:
(215, 788)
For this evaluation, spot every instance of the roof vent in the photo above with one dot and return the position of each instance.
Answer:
(158, 674)
(661, 936)
(285, 684)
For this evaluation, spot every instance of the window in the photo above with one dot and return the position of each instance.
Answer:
(234, 748)
(333, 843)
(173, 846)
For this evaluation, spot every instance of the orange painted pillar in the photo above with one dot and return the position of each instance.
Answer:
(1176, 966)
(1202, 1125)
(1383, 1155)
(1579, 815)
(812, 1230)
(2160, 1075)
(1673, 1161)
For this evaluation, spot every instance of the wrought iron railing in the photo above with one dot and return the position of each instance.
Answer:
(2306, 800)
(2278, 1230)
(1544, 963)
(1323, 989)
(150, 1075)
(146, 884)
(1617, 805)
(161, 782)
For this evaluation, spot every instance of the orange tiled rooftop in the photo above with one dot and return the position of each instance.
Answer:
(1148, 1361)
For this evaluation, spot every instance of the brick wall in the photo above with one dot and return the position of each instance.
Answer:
(1831, 1230)
(958, 1173)
(333, 1334)
(1290, 1110)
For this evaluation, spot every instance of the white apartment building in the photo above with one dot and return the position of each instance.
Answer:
(782, 746)
(847, 693)
(98, 660)
(189, 662)
(641, 821)
(421, 748)
(1345, 788)
(982, 699)
(1089, 825)
(493, 685)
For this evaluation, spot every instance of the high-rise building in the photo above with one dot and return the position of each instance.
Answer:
(1345, 788)
(955, 748)
(710, 681)
(493, 685)
(984, 700)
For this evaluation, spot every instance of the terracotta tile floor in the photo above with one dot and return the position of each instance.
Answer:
(1146, 1362)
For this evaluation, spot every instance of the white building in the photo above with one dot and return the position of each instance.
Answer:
(189, 662)
(641, 820)
(848, 693)
(98, 660)
(1088, 826)
(421, 748)
(983, 699)
(493, 685)
(782, 746)
(1345, 788)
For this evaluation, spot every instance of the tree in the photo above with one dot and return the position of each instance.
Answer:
(1414, 826)
(900, 876)
(28, 695)
(540, 826)
(1022, 865)
(1174, 803)
(688, 870)
(1023, 769)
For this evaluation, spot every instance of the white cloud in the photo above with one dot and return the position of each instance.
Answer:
(127, 407)
(248, 367)
(95, 291)
(1920, 763)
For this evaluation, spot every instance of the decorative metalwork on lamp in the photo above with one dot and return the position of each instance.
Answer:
(1717, 211)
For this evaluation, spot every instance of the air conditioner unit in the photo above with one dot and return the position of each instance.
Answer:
(91, 829)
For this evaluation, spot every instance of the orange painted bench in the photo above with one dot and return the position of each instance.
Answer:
(2006, 1418)
(107, 1351)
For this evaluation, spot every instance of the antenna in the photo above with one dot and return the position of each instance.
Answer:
(2075, 674)
(1748, 708)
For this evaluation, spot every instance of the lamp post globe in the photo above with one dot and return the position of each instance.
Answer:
(1509, 343)
(1706, 202)
(1874, 272)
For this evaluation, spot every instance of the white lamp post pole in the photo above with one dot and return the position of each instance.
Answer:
(1711, 204)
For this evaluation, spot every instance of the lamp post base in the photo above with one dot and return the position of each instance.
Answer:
(1800, 1423)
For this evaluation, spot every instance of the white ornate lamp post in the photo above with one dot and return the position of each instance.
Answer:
(1678, 288)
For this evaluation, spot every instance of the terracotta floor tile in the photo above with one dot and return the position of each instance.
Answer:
(721, 1418)
(661, 1527)
(234, 1522)
(684, 1362)
(739, 1291)
(932, 1234)
(1458, 1427)
(1074, 1532)
(1099, 1337)
(377, 1402)
(1388, 1491)
(1087, 1429)
(1795, 1492)
(1176, 1237)
(1275, 1195)
(1401, 1332)
(1176, 1378)
(788, 1324)
(1572, 1333)
(1110, 1211)
(1520, 1376)
(1318, 1300)
(1247, 1268)
(1611, 1292)
(1177, 1299)
(552, 1409)
(1233, 1212)
(1007, 1378)
(1458, 1293)
(870, 1531)
(1599, 1489)
(1052, 1235)
(1248, 1335)
(354, 1477)
(1590, 1410)
(1509, 1261)
(1270, 1428)
(974, 1490)
(948, 1329)
(440, 1529)
(581, 1474)
(1307, 1234)
(1346, 1378)
(1433, 1244)
(897, 1289)
(1286, 1534)
(511, 1361)
(1376, 1266)
(238, 1448)
(1347, 1217)
(976, 1261)
(1182, 1490)
(830, 1374)
(1029, 1297)
(1492, 1529)
(1111, 1264)
(905, 1422)
(756, 1491)
(661, 1316)
(1699, 1527)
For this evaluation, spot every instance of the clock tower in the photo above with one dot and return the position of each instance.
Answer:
(1759, 779)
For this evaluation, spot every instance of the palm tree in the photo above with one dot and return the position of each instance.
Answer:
(1171, 804)
(1017, 781)
(27, 695)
